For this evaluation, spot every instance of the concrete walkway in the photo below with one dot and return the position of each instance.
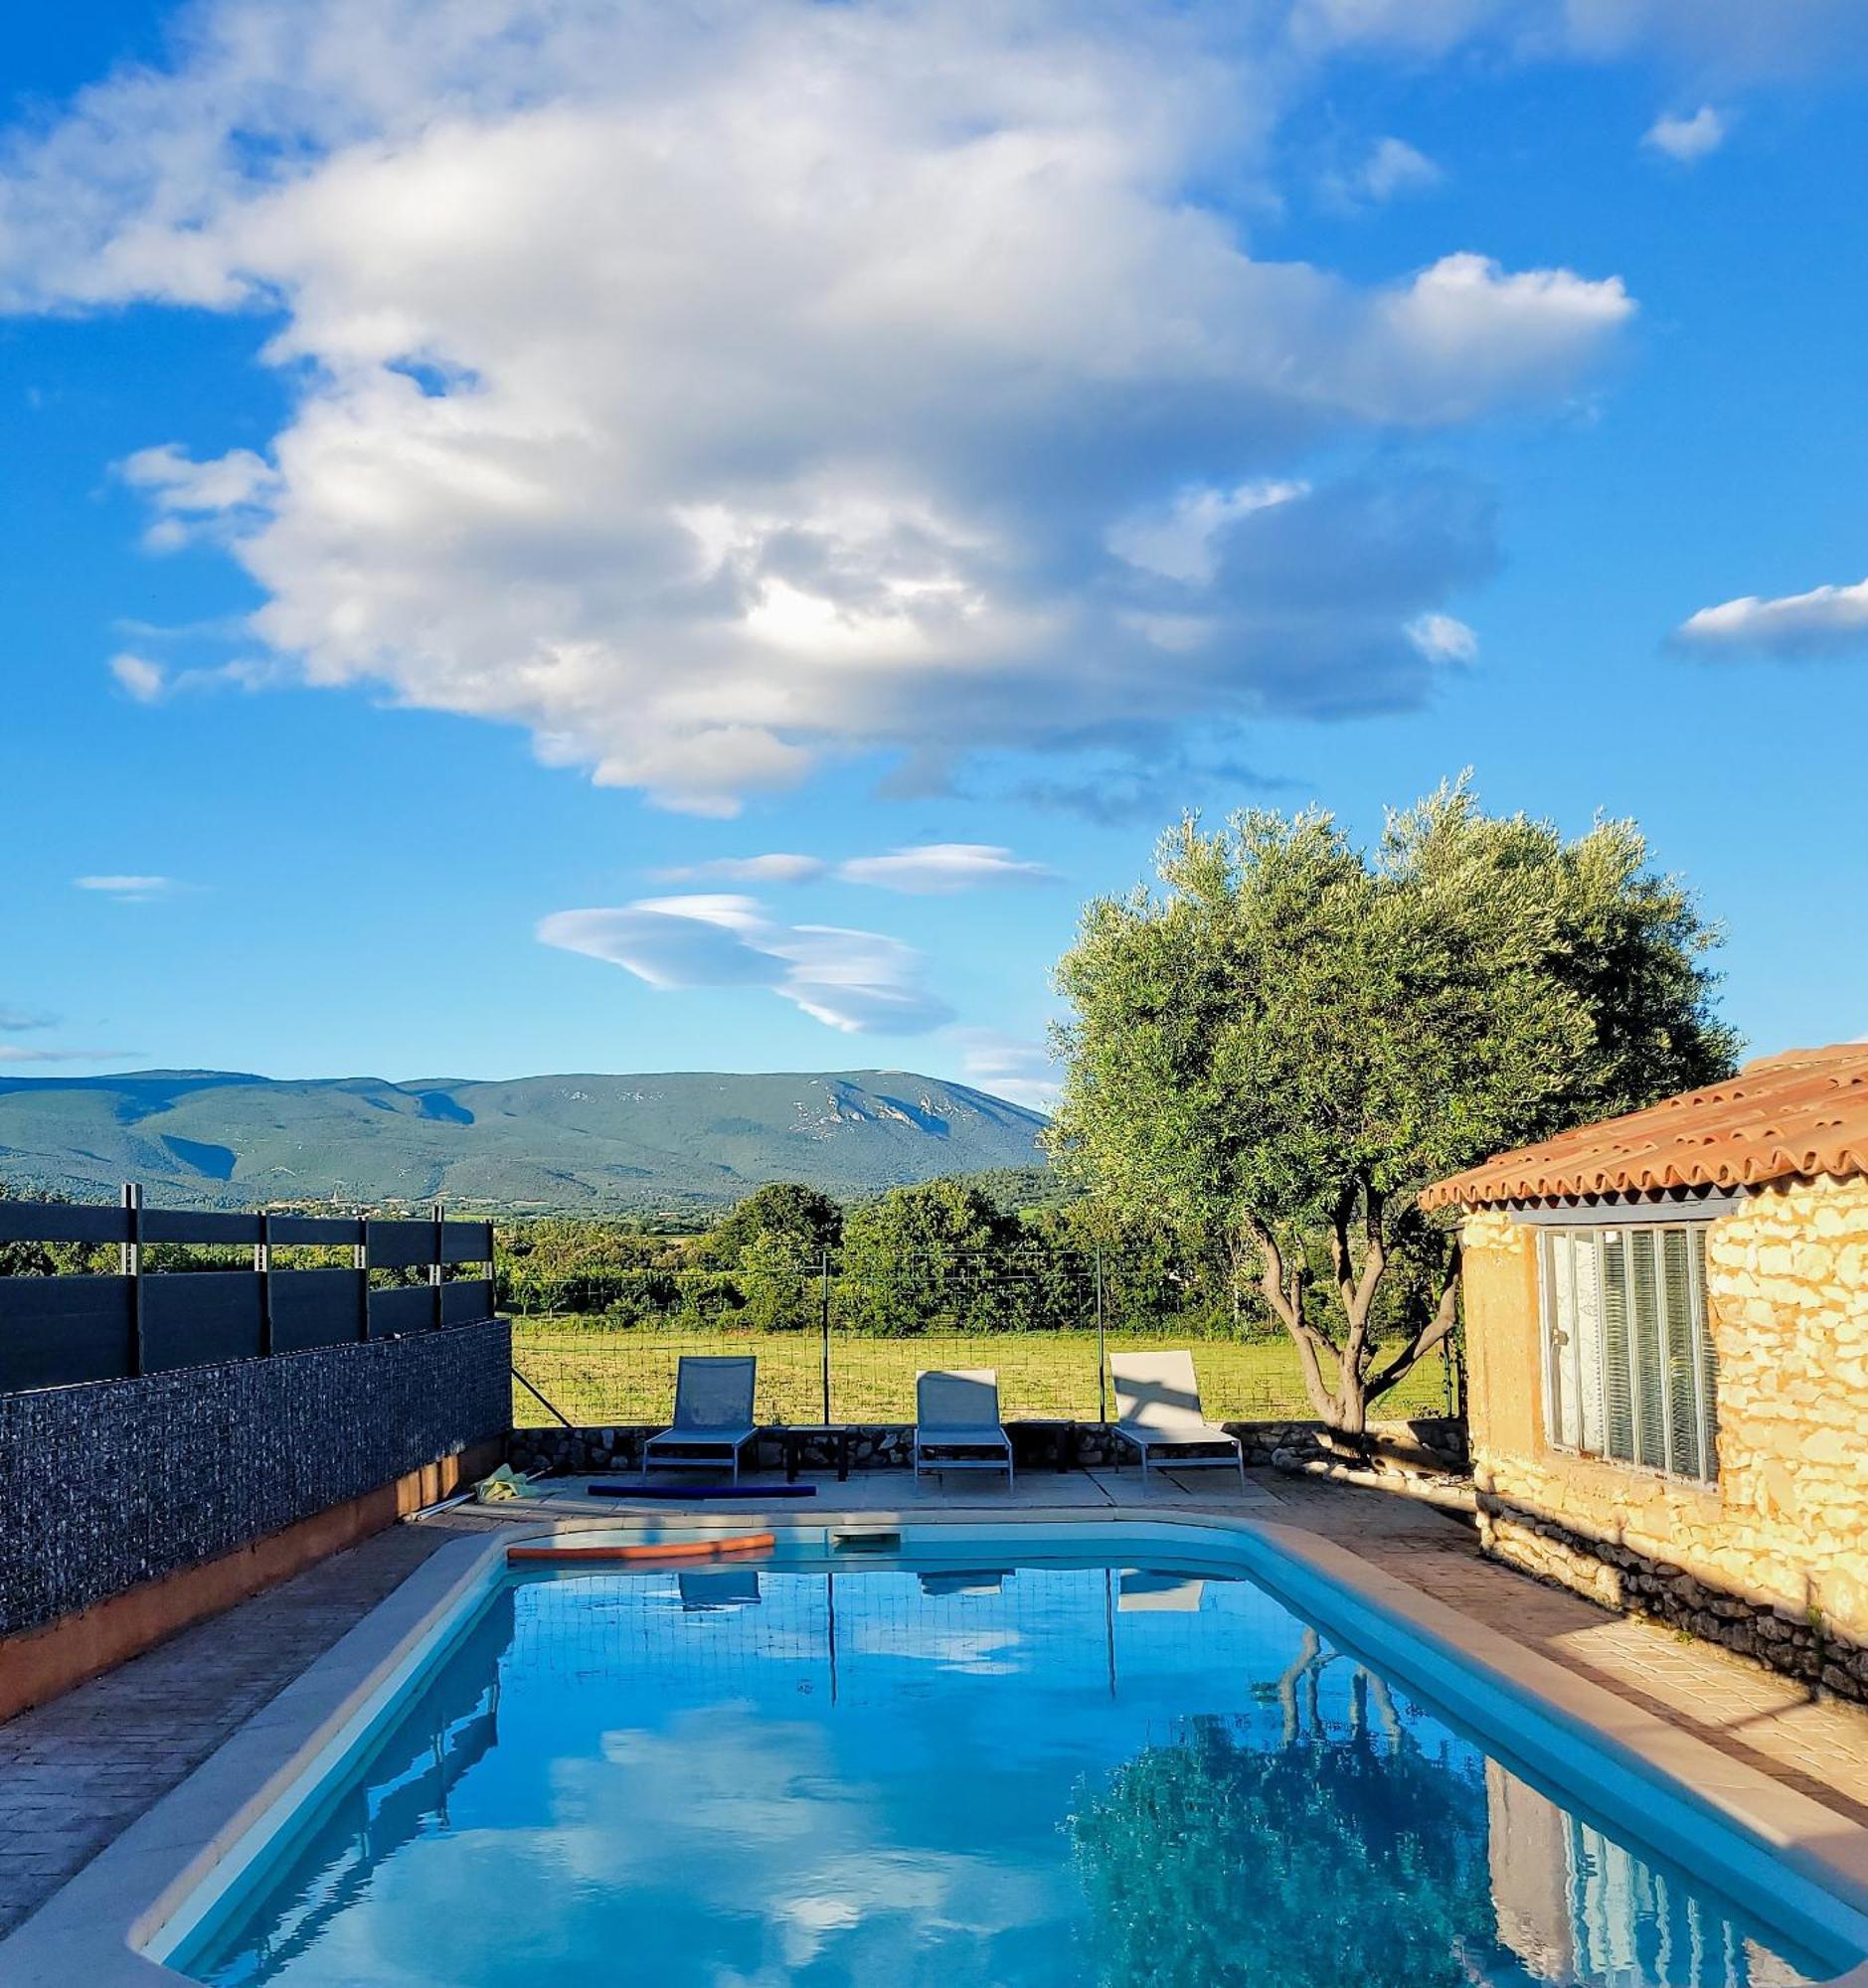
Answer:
(75, 1773)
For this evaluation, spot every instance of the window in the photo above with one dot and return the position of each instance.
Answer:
(1629, 1366)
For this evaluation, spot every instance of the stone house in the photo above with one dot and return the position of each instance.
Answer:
(1667, 1344)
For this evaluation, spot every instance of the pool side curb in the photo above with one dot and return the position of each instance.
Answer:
(93, 1928)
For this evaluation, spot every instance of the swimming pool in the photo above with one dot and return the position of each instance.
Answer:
(1012, 1761)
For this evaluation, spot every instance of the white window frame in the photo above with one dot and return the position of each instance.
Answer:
(1575, 1403)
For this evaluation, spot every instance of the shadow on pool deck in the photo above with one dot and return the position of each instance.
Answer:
(76, 1772)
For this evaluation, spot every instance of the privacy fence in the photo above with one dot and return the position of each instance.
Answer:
(194, 1403)
(306, 1281)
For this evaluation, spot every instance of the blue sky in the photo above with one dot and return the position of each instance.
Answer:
(479, 475)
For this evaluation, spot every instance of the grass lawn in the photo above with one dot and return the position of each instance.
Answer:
(595, 1374)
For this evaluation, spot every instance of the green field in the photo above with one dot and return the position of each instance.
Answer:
(594, 1374)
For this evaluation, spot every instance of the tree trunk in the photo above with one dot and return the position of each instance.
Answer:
(1431, 1335)
(1284, 1293)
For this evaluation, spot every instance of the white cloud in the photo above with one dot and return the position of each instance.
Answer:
(929, 868)
(19, 1053)
(151, 682)
(1395, 167)
(142, 679)
(128, 890)
(1444, 639)
(1390, 169)
(22, 1021)
(1736, 41)
(779, 867)
(1467, 333)
(1827, 620)
(939, 869)
(1687, 139)
(711, 394)
(1180, 540)
(1008, 1065)
(855, 981)
(198, 499)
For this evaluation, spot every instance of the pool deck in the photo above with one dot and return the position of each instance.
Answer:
(77, 1772)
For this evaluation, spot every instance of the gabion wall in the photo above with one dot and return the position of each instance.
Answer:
(118, 1483)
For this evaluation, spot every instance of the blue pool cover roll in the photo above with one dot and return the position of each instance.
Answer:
(684, 1492)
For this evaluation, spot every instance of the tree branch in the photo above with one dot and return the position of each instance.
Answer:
(1284, 1292)
(1431, 1333)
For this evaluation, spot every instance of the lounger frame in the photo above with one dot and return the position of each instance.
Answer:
(708, 1445)
(986, 1438)
(1187, 1426)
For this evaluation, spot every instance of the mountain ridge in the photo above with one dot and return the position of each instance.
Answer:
(566, 1141)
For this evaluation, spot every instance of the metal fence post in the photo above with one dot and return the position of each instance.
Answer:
(1103, 1362)
(435, 1270)
(823, 1315)
(130, 1262)
(263, 1268)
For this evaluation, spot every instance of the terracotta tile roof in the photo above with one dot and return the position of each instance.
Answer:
(1803, 1112)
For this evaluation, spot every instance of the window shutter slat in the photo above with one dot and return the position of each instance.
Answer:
(1682, 1356)
(1618, 1353)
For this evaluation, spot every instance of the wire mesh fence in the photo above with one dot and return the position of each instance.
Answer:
(595, 1375)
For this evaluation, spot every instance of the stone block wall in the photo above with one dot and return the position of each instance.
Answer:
(117, 1483)
(1770, 1560)
(1433, 1442)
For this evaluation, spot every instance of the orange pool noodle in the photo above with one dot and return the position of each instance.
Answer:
(659, 1550)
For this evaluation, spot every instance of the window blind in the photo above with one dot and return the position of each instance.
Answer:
(1629, 1366)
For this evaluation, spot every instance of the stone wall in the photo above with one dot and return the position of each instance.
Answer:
(1433, 1442)
(1802, 1645)
(1772, 1558)
(109, 1485)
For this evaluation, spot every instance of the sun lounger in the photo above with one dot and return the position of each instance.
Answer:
(956, 1423)
(713, 1416)
(1157, 1412)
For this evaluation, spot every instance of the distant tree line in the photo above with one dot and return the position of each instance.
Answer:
(1002, 1252)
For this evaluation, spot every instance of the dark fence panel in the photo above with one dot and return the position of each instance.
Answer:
(178, 1225)
(57, 1330)
(61, 1222)
(410, 1308)
(403, 1245)
(317, 1309)
(398, 1246)
(467, 1298)
(194, 1320)
(466, 1242)
(344, 1229)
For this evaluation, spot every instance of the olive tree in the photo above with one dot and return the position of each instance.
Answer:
(1291, 1036)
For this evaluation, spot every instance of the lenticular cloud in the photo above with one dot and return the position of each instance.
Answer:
(714, 391)
(857, 981)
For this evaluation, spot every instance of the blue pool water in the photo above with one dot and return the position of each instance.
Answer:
(1045, 1775)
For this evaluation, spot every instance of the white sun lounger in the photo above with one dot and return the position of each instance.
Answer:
(1157, 1412)
(713, 1416)
(956, 1423)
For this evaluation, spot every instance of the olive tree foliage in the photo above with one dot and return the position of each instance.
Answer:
(1291, 1037)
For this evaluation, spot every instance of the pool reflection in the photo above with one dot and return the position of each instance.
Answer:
(1127, 1776)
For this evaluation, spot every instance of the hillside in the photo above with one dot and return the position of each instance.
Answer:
(214, 1138)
